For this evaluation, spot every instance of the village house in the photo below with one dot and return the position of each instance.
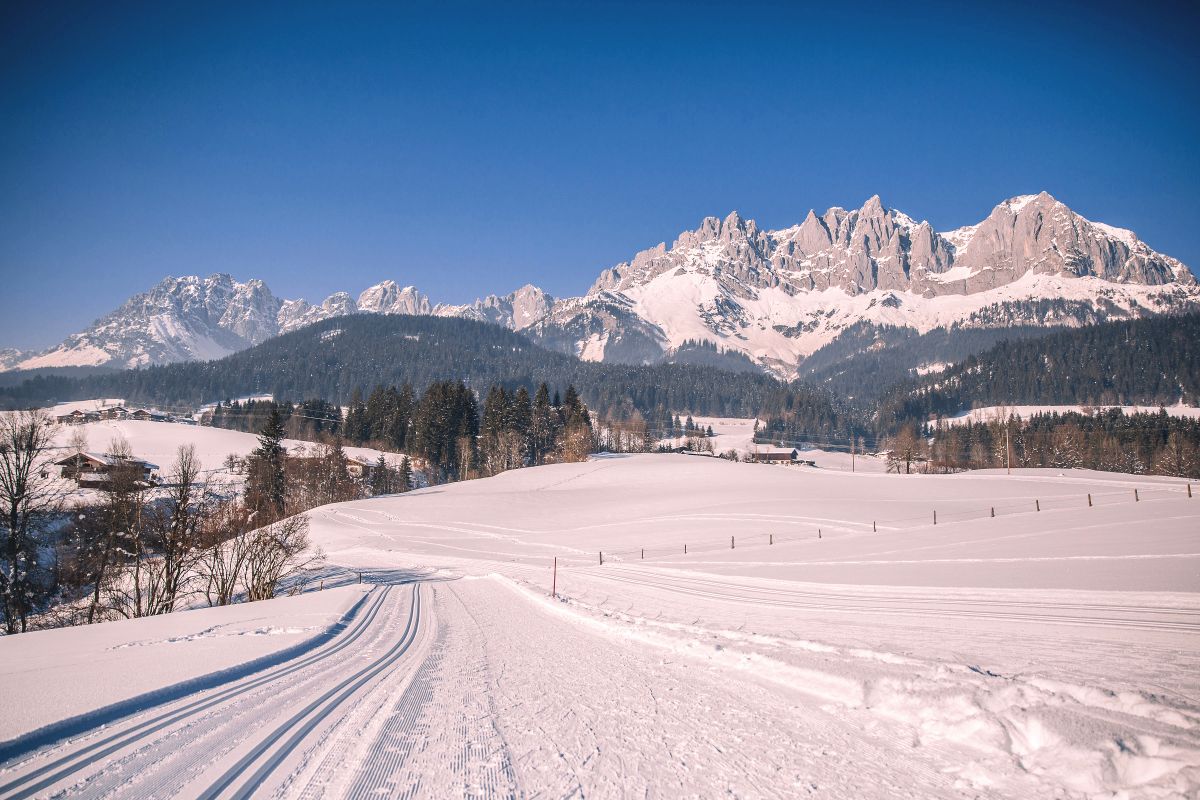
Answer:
(770, 456)
(359, 468)
(77, 417)
(146, 415)
(93, 470)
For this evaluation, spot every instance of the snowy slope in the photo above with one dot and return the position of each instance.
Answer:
(866, 653)
(989, 413)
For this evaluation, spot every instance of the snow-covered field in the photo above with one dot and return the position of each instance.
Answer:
(820, 637)
(737, 434)
(159, 443)
(990, 413)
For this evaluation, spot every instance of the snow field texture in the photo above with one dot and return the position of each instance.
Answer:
(1034, 653)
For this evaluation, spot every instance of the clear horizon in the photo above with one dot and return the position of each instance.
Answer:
(469, 150)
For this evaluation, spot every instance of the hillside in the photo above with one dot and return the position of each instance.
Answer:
(1137, 362)
(332, 358)
(847, 645)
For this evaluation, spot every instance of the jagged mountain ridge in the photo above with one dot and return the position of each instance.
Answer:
(773, 296)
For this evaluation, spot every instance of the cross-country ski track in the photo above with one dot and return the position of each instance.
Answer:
(1052, 652)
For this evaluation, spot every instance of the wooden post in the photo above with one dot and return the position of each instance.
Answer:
(730, 542)
(643, 554)
(873, 528)
(1136, 499)
(1089, 499)
(993, 511)
(685, 549)
(935, 516)
(322, 587)
(1189, 490)
(554, 580)
(770, 538)
(818, 533)
(1037, 504)
(360, 577)
(602, 558)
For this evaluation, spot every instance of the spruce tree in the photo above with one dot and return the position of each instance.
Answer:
(266, 485)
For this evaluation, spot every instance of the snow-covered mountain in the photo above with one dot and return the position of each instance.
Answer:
(774, 296)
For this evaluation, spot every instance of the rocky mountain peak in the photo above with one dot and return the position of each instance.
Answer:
(772, 295)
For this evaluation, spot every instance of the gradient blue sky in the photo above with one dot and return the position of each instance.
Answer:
(471, 149)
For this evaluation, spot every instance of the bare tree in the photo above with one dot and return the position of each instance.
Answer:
(30, 496)
(164, 550)
(121, 522)
(226, 546)
(275, 552)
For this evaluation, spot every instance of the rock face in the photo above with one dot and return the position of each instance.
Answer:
(777, 296)
(180, 319)
(774, 296)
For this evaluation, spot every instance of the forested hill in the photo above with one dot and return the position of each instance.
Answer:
(1137, 362)
(330, 359)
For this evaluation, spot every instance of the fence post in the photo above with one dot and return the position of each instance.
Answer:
(643, 554)
(935, 516)
(818, 533)
(360, 577)
(873, 528)
(1136, 499)
(685, 549)
(1089, 499)
(1037, 504)
(322, 587)
(770, 538)
(554, 580)
(602, 558)
(1189, 490)
(730, 542)
(993, 511)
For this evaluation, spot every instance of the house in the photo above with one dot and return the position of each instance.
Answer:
(776, 456)
(93, 470)
(146, 415)
(114, 412)
(77, 417)
(359, 468)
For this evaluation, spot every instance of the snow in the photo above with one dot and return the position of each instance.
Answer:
(820, 637)
(1123, 235)
(1015, 204)
(53, 675)
(674, 302)
(97, 404)
(932, 368)
(989, 413)
(85, 355)
(952, 274)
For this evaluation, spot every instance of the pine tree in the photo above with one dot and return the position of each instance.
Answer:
(404, 475)
(266, 486)
(383, 479)
(543, 426)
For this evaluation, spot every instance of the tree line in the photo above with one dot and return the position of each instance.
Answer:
(1109, 440)
(1151, 361)
(331, 359)
(136, 550)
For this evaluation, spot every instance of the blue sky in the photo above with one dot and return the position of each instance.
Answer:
(469, 149)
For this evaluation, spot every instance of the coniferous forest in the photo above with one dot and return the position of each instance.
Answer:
(398, 374)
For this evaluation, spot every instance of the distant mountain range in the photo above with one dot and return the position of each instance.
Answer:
(773, 297)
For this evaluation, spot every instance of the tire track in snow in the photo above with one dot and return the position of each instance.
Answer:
(882, 605)
(85, 753)
(270, 753)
